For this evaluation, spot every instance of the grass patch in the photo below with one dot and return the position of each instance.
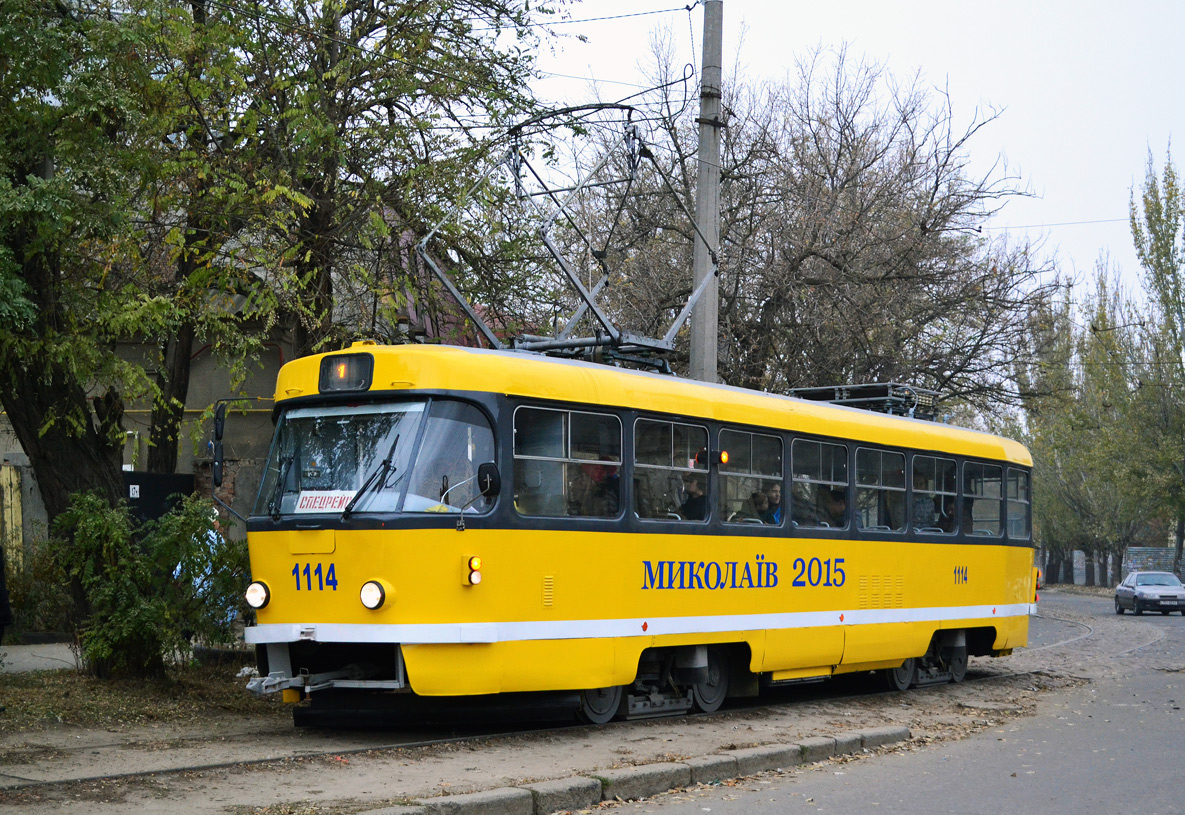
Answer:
(189, 696)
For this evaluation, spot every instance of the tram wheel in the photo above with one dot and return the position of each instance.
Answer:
(599, 705)
(709, 694)
(901, 678)
(957, 664)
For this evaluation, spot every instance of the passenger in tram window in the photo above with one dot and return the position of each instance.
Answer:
(925, 509)
(833, 506)
(946, 514)
(803, 510)
(752, 509)
(773, 494)
(596, 491)
(695, 504)
(760, 503)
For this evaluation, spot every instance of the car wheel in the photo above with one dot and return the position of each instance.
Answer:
(1119, 608)
(1136, 609)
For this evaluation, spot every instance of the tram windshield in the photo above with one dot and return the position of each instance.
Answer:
(377, 458)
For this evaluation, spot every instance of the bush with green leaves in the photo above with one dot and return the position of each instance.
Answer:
(142, 592)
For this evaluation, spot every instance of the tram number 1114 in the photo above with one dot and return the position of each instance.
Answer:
(325, 578)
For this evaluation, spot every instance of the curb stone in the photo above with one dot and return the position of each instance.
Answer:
(753, 760)
(818, 748)
(851, 743)
(645, 780)
(710, 769)
(880, 736)
(572, 793)
(501, 801)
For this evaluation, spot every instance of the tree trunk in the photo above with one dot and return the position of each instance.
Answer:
(1089, 564)
(169, 410)
(1053, 572)
(1180, 539)
(64, 459)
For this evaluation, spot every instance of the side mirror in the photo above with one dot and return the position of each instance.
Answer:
(219, 421)
(489, 481)
(216, 464)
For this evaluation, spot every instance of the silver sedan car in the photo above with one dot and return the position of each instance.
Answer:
(1150, 591)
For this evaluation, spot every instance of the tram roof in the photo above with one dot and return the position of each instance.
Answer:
(515, 373)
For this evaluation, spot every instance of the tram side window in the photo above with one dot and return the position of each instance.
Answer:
(752, 475)
(457, 440)
(982, 498)
(819, 486)
(935, 493)
(567, 463)
(670, 471)
(1018, 504)
(880, 490)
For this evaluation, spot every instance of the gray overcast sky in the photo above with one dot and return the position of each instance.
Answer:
(1086, 87)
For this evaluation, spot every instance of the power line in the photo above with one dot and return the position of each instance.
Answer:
(688, 9)
(1062, 223)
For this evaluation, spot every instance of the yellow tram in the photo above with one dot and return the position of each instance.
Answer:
(448, 521)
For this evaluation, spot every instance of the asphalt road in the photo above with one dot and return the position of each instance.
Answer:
(1113, 744)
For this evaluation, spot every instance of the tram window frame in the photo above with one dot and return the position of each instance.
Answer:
(827, 469)
(978, 518)
(1020, 499)
(578, 456)
(878, 487)
(747, 472)
(941, 487)
(661, 476)
(437, 456)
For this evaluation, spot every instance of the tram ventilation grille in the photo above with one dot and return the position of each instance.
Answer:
(548, 591)
(882, 591)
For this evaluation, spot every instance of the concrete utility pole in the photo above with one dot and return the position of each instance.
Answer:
(705, 317)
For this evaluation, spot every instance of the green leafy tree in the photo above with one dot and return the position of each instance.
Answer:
(1158, 231)
(71, 111)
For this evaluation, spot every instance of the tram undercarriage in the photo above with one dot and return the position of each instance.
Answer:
(669, 681)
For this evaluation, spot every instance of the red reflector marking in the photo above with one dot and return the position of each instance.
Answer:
(645, 626)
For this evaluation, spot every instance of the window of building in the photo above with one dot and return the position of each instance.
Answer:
(670, 470)
(751, 480)
(567, 463)
(819, 485)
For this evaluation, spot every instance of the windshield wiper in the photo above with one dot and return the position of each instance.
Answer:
(378, 476)
(273, 503)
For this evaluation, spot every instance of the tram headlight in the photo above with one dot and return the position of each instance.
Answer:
(257, 595)
(372, 595)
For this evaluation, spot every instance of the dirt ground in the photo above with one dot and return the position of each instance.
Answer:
(240, 767)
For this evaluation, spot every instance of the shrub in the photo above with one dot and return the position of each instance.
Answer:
(141, 593)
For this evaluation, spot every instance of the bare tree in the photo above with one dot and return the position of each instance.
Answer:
(851, 243)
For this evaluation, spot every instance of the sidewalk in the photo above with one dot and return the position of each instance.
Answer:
(47, 657)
